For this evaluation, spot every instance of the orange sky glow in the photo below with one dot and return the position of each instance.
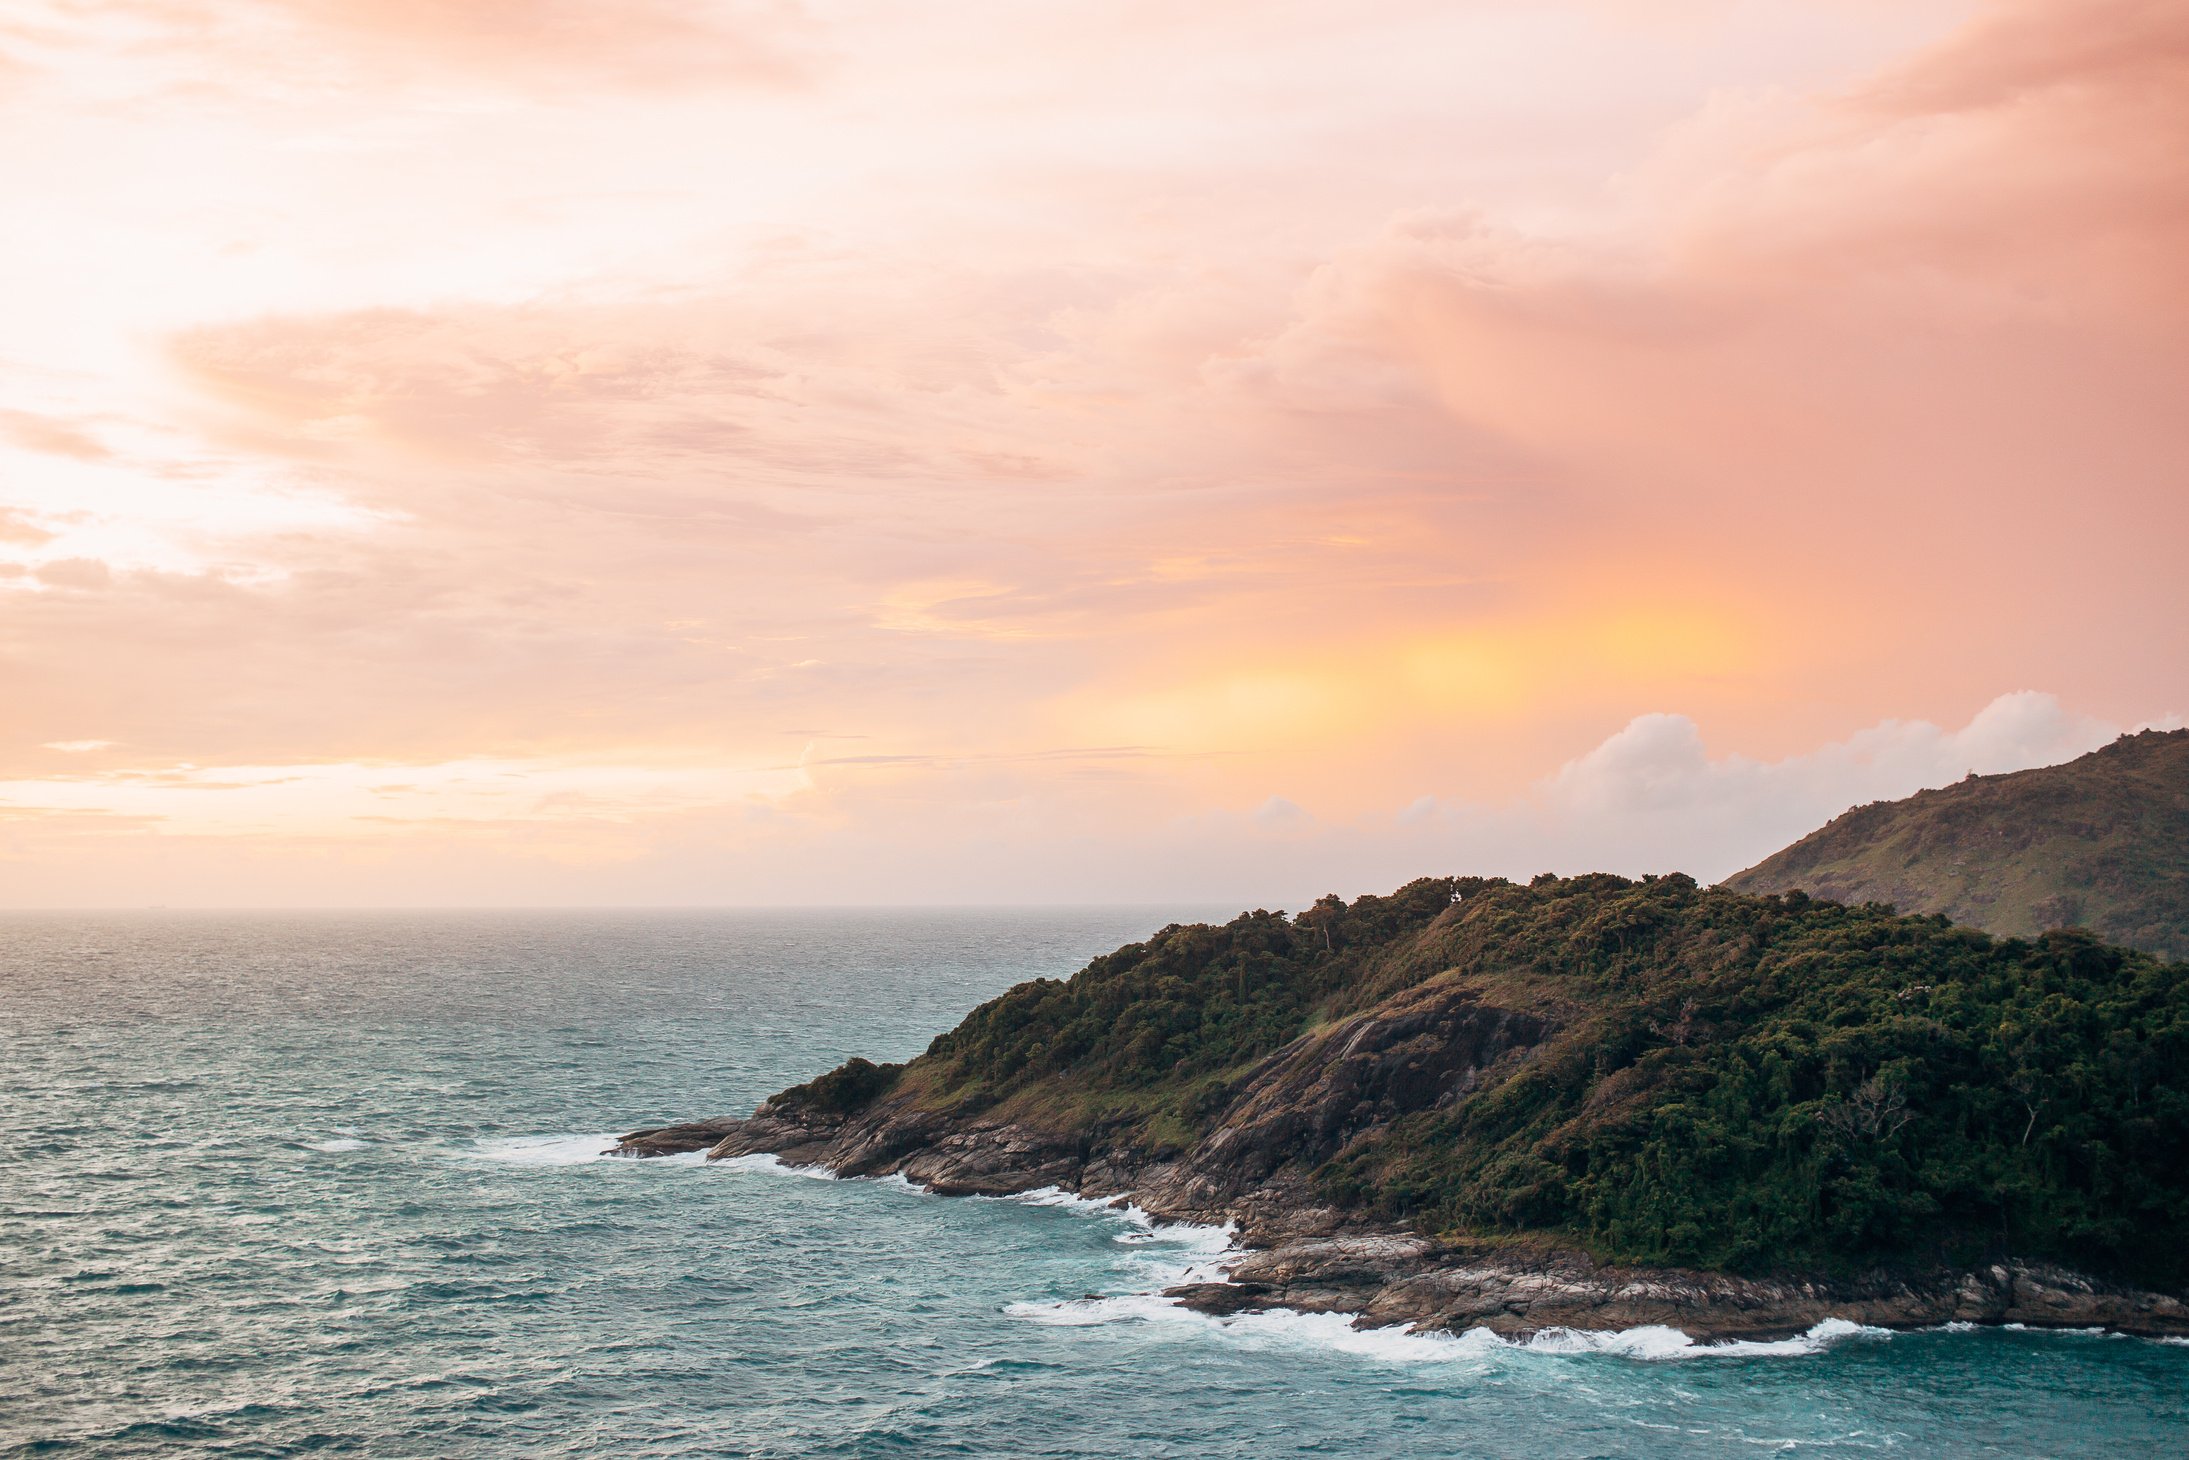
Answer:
(753, 451)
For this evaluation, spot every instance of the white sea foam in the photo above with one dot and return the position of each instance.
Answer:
(1655, 1342)
(1057, 1196)
(342, 1144)
(1958, 1326)
(578, 1152)
(1142, 1228)
(1165, 1253)
(2096, 1331)
(545, 1150)
(1276, 1329)
(1196, 1238)
(770, 1162)
(1207, 1247)
(1334, 1332)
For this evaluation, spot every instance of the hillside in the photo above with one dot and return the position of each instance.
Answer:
(2101, 843)
(1635, 1072)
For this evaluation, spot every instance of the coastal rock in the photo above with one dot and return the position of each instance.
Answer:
(1300, 1254)
(1312, 1098)
(676, 1140)
(1393, 1280)
(1652, 1068)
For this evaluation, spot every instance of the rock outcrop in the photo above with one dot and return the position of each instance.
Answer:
(1296, 1252)
(1308, 1101)
(1431, 1108)
(1401, 1279)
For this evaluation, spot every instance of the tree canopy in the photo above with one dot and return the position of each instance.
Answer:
(1728, 1081)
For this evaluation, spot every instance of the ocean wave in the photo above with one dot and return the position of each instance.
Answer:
(1334, 1332)
(581, 1150)
(344, 1143)
(1277, 1328)
(768, 1161)
(1207, 1247)
(2091, 1331)
(1658, 1342)
(546, 1150)
(1071, 1201)
(1142, 1227)
(1164, 1254)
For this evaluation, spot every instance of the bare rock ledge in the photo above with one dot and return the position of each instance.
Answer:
(1298, 1253)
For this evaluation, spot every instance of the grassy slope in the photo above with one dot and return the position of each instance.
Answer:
(2101, 842)
(1733, 1081)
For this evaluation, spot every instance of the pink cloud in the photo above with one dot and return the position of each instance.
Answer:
(74, 573)
(15, 527)
(636, 42)
(1326, 403)
(536, 46)
(35, 432)
(1924, 332)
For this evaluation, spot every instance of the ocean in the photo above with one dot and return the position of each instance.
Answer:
(274, 1184)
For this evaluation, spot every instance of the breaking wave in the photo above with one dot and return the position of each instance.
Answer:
(1334, 1332)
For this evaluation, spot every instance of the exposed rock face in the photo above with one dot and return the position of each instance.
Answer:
(677, 1140)
(1399, 1279)
(1309, 1101)
(1325, 1090)
(1301, 1106)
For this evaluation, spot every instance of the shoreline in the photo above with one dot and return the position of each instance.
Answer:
(1294, 1253)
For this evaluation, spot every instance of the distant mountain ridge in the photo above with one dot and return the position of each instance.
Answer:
(2101, 842)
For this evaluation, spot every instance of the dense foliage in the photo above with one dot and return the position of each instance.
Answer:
(1729, 1081)
(1761, 1081)
(850, 1086)
(1189, 1004)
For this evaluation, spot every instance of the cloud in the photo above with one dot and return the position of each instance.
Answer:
(649, 43)
(74, 573)
(1648, 798)
(35, 432)
(1367, 400)
(1939, 306)
(1658, 762)
(1652, 791)
(16, 527)
(535, 47)
(473, 384)
(519, 796)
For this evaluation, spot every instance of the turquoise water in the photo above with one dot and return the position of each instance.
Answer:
(271, 1185)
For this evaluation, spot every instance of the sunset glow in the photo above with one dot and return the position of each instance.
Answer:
(516, 451)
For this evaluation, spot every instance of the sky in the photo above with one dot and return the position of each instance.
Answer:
(511, 452)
